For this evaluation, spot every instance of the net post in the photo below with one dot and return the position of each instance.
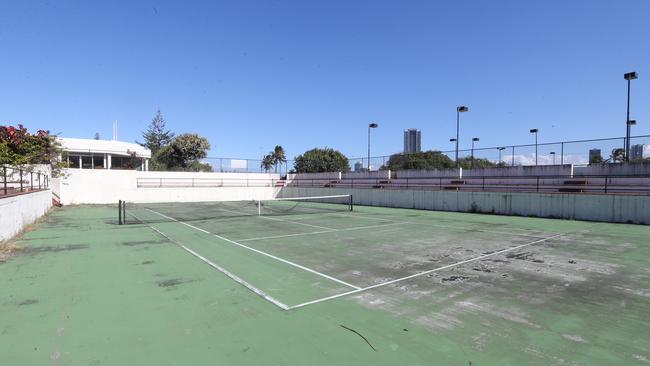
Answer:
(123, 212)
(351, 204)
(119, 212)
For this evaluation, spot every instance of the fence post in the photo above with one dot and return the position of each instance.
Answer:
(4, 178)
(407, 182)
(483, 185)
(538, 183)
(562, 154)
(20, 171)
(39, 180)
(606, 179)
(513, 156)
(31, 181)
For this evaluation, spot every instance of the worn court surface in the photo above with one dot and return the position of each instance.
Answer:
(423, 288)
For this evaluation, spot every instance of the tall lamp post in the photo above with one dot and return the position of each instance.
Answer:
(500, 149)
(553, 155)
(370, 125)
(459, 109)
(535, 131)
(629, 77)
(474, 139)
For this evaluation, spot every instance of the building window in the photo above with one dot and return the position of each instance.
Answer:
(98, 161)
(86, 162)
(73, 161)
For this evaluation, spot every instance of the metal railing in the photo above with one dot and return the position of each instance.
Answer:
(15, 180)
(605, 184)
(198, 182)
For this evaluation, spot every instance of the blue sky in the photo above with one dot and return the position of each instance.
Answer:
(252, 74)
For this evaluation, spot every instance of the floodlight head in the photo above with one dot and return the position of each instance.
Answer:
(475, 139)
(552, 153)
(373, 125)
(534, 130)
(452, 140)
(631, 75)
(462, 108)
(631, 122)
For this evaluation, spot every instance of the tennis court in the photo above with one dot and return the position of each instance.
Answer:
(320, 281)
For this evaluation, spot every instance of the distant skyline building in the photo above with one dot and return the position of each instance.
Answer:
(639, 151)
(358, 167)
(412, 138)
(595, 156)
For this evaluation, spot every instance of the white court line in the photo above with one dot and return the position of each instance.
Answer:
(422, 273)
(321, 232)
(261, 252)
(229, 274)
(275, 219)
(440, 226)
(296, 222)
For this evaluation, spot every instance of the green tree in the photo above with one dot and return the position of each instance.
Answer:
(267, 162)
(596, 159)
(184, 152)
(156, 136)
(618, 155)
(279, 156)
(321, 160)
(424, 160)
(467, 163)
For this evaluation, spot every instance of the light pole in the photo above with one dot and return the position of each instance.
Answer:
(500, 149)
(370, 125)
(553, 154)
(535, 131)
(459, 109)
(629, 77)
(474, 139)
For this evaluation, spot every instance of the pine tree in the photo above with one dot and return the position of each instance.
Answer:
(156, 135)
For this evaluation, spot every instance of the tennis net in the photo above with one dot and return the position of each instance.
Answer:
(133, 213)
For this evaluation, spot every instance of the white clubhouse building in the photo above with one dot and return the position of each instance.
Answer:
(104, 154)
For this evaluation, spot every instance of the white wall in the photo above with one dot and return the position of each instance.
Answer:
(590, 207)
(18, 211)
(84, 186)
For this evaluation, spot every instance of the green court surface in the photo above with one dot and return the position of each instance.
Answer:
(375, 286)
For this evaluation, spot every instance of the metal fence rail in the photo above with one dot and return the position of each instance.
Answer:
(15, 180)
(198, 182)
(605, 184)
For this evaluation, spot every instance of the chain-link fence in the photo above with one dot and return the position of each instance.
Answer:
(577, 152)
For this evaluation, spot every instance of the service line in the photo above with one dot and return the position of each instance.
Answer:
(422, 273)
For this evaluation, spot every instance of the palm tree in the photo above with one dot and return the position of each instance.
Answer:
(267, 162)
(279, 156)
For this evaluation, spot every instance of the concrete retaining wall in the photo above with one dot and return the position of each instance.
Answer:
(606, 208)
(614, 169)
(18, 211)
(85, 186)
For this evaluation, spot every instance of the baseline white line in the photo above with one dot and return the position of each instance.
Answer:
(440, 226)
(422, 273)
(261, 252)
(228, 274)
(321, 232)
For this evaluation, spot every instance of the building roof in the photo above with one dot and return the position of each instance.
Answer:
(103, 147)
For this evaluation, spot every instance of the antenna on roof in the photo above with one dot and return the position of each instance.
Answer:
(115, 130)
